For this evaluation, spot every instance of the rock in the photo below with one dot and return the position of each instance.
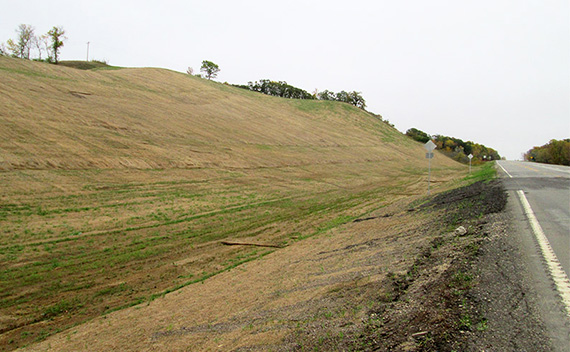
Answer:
(419, 334)
(460, 231)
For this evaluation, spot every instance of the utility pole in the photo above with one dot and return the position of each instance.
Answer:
(87, 51)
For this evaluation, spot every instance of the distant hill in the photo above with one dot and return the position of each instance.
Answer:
(56, 117)
(456, 148)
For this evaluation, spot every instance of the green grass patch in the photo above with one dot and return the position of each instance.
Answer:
(485, 172)
(83, 65)
(61, 307)
(339, 220)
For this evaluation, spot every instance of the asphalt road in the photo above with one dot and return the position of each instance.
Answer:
(547, 188)
(542, 227)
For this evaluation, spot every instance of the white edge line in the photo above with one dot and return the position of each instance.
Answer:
(558, 275)
(501, 166)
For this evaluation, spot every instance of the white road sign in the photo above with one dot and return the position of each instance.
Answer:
(430, 146)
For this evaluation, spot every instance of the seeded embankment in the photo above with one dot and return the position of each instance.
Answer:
(118, 185)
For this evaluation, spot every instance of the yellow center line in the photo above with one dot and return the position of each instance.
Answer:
(530, 168)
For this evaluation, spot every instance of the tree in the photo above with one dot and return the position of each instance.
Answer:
(326, 95)
(278, 89)
(342, 96)
(554, 152)
(43, 44)
(418, 135)
(57, 36)
(25, 40)
(38, 43)
(12, 47)
(210, 69)
(22, 46)
(356, 99)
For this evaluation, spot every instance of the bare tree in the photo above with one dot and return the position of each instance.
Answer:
(25, 41)
(43, 44)
(38, 45)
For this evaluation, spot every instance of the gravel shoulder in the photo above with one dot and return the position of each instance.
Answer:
(503, 296)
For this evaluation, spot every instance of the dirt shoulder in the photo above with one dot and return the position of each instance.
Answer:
(401, 279)
(483, 301)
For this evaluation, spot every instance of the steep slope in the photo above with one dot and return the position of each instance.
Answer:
(117, 186)
(57, 117)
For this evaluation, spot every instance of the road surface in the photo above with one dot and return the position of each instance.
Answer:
(539, 204)
(547, 189)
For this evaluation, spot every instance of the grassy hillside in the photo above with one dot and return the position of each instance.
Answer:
(118, 185)
(54, 117)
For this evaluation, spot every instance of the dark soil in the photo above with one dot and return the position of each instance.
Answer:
(471, 202)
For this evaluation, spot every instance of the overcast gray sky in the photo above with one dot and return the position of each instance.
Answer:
(496, 72)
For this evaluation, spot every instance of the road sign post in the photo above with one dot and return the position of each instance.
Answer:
(470, 156)
(430, 146)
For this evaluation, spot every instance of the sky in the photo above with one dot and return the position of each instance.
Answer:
(496, 72)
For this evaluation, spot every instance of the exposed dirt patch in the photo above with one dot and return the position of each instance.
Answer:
(429, 307)
(468, 203)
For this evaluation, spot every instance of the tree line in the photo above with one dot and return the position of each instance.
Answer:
(456, 148)
(277, 89)
(284, 90)
(353, 98)
(28, 43)
(554, 152)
